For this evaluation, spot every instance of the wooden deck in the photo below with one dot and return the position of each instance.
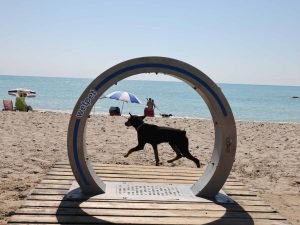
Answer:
(49, 202)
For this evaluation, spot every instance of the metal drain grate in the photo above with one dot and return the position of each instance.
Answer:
(146, 191)
(132, 190)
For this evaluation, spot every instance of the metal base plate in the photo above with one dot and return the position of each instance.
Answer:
(147, 191)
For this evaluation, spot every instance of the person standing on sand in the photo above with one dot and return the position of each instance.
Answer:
(21, 104)
(149, 110)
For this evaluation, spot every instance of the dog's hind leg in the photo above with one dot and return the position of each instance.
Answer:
(177, 151)
(184, 149)
(188, 155)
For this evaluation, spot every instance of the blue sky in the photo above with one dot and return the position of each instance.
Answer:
(253, 42)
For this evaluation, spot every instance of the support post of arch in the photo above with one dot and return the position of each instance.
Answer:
(219, 167)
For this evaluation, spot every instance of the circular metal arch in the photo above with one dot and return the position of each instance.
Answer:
(219, 167)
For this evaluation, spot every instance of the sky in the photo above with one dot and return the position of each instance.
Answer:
(243, 42)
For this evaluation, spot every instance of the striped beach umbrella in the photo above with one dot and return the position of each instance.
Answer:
(124, 96)
(14, 92)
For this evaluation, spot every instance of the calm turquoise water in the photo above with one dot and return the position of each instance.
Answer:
(248, 102)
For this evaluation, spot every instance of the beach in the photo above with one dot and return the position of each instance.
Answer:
(267, 158)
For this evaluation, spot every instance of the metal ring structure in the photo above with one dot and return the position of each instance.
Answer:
(223, 155)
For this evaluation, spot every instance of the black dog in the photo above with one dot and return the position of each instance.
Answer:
(155, 135)
(166, 115)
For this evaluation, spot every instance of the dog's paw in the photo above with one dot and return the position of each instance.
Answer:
(126, 155)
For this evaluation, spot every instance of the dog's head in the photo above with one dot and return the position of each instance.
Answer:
(134, 120)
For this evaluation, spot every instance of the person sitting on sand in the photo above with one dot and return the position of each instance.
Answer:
(149, 110)
(21, 104)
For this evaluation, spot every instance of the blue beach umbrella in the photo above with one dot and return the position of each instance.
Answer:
(124, 96)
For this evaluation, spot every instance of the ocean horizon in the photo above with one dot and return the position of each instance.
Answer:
(250, 102)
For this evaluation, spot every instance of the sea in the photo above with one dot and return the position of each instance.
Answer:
(248, 102)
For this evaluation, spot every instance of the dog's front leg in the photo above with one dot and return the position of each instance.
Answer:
(137, 148)
(156, 155)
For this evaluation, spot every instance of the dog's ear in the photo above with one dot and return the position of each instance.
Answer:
(130, 114)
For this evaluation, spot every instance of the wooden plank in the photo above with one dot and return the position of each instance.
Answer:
(234, 187)
(241, 197)
(139, 172)
(162, 170)
(147, 213)
(53, 186)
(132, 176)
(136, 175)
(135, 219)
(147, 205)
(219, 222)
(49, 192)
(67, 187)
(99, 199)
(135, 171)
(256, 201)
(127, 179)
(155, 169)
(145, 169)
(47, 180)
(232, 222)
(65, 191)
(239, 192)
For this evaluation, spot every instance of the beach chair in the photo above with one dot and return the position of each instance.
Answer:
(114, 111)
(8, 105)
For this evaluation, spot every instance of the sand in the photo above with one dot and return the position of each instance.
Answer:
(268, 154)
